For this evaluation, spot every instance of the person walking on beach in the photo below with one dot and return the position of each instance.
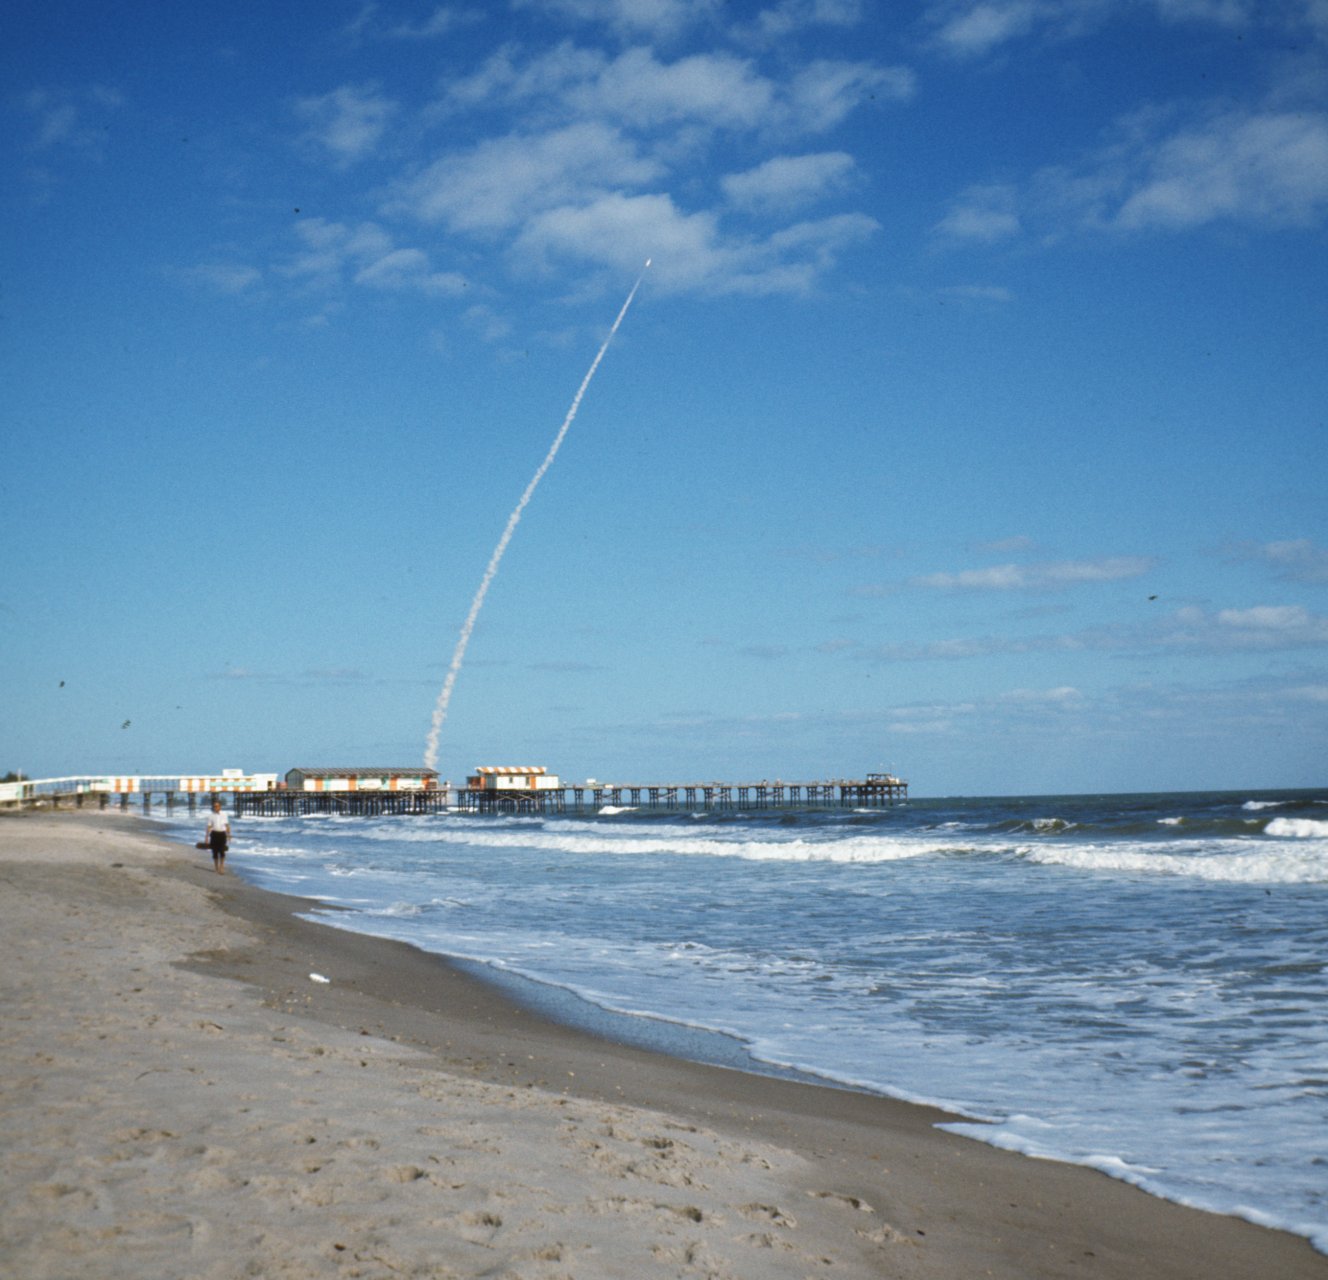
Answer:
(218, 837)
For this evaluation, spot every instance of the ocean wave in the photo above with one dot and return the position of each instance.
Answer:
(398, 909)
(1056, 825)
(1298, 828)
(1251, 864)
(631, 839)
(1196, 826)
(407, 909)
(274, 851)
(1041, 826)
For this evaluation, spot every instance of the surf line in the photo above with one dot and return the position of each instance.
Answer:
(463, 640)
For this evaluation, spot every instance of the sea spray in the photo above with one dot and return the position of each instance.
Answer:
(463, 640)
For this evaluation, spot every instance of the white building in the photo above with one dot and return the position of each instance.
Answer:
(230, 780)
(409, 778)
(512, 778)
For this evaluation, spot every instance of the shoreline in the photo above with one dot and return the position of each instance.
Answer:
(617, 1159)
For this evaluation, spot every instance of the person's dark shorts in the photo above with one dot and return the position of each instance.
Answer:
(217, 843)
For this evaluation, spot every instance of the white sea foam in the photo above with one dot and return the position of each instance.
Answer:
(1052, 824)
(399, 909)
(1298, 828)
(641, 839)
(1246, 862)
(1255, 805)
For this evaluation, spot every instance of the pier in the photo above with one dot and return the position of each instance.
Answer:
(262, 795)
(102, 791)
(876, 790)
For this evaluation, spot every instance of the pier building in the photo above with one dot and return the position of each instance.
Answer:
(376, 778)
(100, 788)
(228, 780)
(492, 777)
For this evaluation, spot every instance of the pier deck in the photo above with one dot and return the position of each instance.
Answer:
(874, 791)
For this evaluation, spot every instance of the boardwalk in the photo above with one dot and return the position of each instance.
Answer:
(874, 791)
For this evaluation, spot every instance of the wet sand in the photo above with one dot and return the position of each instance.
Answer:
(182, 1099)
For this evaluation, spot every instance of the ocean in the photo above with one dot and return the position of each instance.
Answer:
(1138, 983)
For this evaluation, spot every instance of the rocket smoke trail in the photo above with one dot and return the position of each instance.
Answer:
(445, 695)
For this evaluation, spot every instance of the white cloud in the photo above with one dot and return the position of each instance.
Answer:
(1258, 167)
(330, 247)
(978, 29)
(1295, 560)
(503, 77)
(1290, 560)
(983, 214)
(635, 87)
(55, 123)
(486, 322)
(1259, 628)
(611, 162)
(409, 270)
(824, 93)
(1048, 576)
(716, 88)
(1262, 629)
(623, 231)
(1061, 696)
(71, 118)
(502, 182)
(824, 238)
(1265, 167)
(1267, 617)
(662, 19)
(333, 254)
(371, 23)
(688, 250)
(1309, 693)
(784, 182)
(793, 15)
(965, 29)
(1314, 13)
(1225, 13)
(960, 648)
(443, 20)
(349, 122)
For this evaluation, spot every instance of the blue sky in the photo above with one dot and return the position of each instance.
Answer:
(969, 421)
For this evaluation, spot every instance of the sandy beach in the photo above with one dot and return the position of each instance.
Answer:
(183, 1099)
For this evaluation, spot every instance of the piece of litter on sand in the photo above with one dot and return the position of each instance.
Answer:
(318, 977)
